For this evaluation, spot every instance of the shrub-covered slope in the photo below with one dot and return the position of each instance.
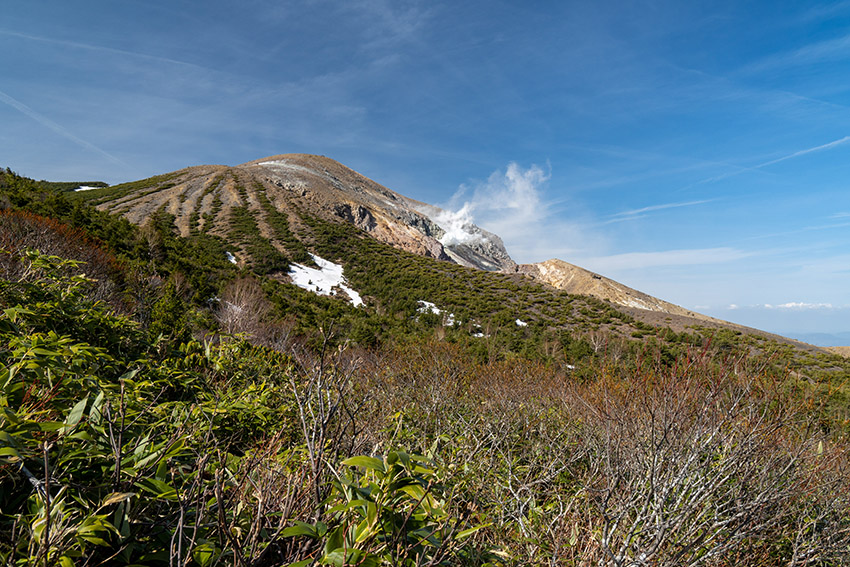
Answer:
(185, 410)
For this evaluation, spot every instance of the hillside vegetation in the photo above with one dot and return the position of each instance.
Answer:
(163, 406)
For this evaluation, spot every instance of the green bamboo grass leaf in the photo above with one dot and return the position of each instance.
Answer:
(415, 491)
(300, 529)
(158, 488)
(9, 455)
(364, 462)
(463, 534)
(335, 540)
(11, 416)
(75, 416)
(204, 554)
(116, 497)
(96, 410)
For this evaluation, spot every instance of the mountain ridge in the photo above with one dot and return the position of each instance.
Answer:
(205, 197)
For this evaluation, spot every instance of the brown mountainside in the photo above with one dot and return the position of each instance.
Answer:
(573, 279)
(203, 198)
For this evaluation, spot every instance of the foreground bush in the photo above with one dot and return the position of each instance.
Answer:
(118, 447)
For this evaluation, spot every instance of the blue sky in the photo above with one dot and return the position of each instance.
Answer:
(699, 152)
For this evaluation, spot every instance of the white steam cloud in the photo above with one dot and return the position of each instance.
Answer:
(506, 204)
(457, 226)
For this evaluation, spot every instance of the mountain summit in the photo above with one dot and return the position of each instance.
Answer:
(205, 197)
(269, 200)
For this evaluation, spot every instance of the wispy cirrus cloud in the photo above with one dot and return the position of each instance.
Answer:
(64, 132)
(816, 52)
(100, 48)
(639, 213)
(798, 153)
(642, 260)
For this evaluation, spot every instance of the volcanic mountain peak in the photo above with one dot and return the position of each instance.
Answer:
(205, 197)
(479, 249)
(268, 201)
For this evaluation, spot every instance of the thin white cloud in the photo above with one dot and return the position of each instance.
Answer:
(642, 260)
(799, 305)
(636, 213)
(822, 147)
(386, 23)
(830, 49)
(64, 132)
(789, 306)
(100, 48)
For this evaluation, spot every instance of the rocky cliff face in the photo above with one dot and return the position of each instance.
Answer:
(471, 246)
(202, 198)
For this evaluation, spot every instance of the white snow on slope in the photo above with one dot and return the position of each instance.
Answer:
(283, 164)
(322, 281)
(86, 188)
(230, 257)
(521, 323)
(428, 307)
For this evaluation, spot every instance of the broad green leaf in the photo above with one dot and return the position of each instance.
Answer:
(363, 532)
(11, 416)
(463, 534)
(204, 554)
(158, 488)
(415, 491)
(96, 411)
(154, 456)
(335, 557)
(9, 455)
(300, 529)
(75, 416)
(335, 539)
(362, 461)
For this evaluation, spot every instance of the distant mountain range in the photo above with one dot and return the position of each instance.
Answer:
(821, 339)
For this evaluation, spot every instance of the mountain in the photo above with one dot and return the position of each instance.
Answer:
(573, 279)
(183, 401)
(205, 197)
(262, 210)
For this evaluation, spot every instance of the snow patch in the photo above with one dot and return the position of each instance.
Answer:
(323, 281)
(86, 188)
(230, 257)
(521, 323)
(428, 307)
(282, 164)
